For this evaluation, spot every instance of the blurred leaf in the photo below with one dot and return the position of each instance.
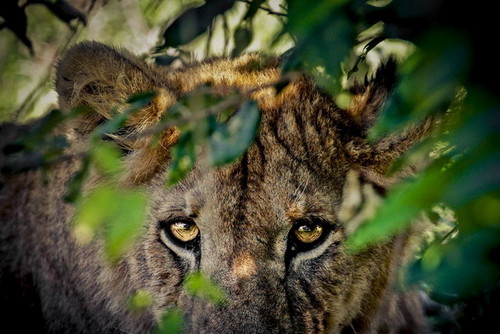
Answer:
(242, 38)
(482, 212)
(461, 267)
(230, 140)
(15, 20)
(378, 3)
(125, 219)
(194, 22)
(120, 212)
(325, 36)
(73, 189)
(183, 159)
(403, 204)
(40, 135)
(92, 212)
(43, 127)
(53, 149)
(107, 158)
(65, 11)
(201, 286)
(141, 300)
(172, 322)
(303, 16)
(429, 81)
(139, 100)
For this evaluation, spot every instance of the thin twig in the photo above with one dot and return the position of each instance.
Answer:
(215, 109)
(368, 47)
(267, 9)
(19, 163)
(229, 102)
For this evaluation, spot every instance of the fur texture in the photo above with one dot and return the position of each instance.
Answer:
(294, 171)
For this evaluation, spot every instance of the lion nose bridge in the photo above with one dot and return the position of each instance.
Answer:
(243, 266)
(234, 269)
(254, 301)
(237, 267)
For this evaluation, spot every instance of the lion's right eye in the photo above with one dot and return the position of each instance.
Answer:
(181, 231)
(184, 231)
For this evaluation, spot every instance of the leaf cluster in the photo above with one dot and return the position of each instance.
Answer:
(451, 77)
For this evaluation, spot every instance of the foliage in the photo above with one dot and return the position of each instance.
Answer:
(200, 286)
(15, 18)
(449, 77)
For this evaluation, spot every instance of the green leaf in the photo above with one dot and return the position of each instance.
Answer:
(460, 268)
(194, 22)
(303, 16)
(120, 212)
(172, 322)
(74, 188)
(201, 286)
(429, 81)
(459, 177)
(378, 3)
(141, 300)
(242, 38)
(402, 205)
(107, 158)
(183, 158)
(92, 212)
(325, 36)
(230, 140)
(139, 100)
(125, 220)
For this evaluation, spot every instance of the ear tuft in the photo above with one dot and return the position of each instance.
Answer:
(369, 97)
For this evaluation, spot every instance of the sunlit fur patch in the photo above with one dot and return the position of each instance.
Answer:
(244, 266)
(296, 211)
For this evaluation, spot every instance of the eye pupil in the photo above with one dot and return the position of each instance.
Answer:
(184, 231)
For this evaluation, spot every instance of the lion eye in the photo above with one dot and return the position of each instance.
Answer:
(308, 232)
(184, 231)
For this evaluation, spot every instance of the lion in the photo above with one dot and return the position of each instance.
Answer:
(265, 228)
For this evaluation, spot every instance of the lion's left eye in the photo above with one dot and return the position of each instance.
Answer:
(180, 231)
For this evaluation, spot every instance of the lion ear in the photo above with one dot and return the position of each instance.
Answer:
(101, 78)
(367, 102)
(369, 96)
(94, 75)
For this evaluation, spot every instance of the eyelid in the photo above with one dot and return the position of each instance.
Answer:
(167, 222)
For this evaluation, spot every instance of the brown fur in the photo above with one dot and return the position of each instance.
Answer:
(295, 169)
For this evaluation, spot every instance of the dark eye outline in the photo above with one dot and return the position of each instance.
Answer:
(295, 245)
(166, 227)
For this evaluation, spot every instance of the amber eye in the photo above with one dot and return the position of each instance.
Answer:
(308, 232)
(184, 231)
